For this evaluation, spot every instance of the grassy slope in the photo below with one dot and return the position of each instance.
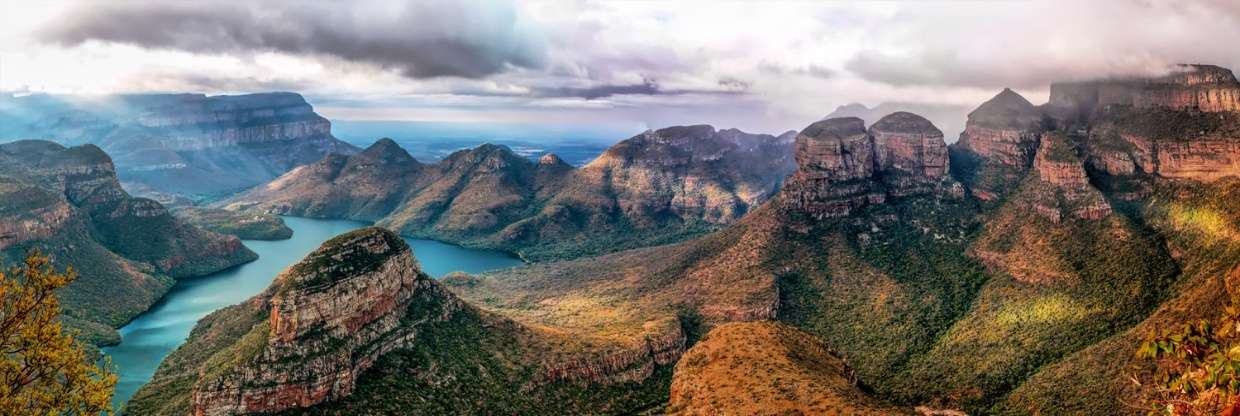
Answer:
(1052, 293)
(883, 299)
(766, 368)
(1200, 223)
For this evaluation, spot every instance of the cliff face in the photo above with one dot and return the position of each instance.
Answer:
(68, 203)
(843, 167)
(186, 144)
(331, 315)
(1000, 138)
(1058, 164)
(1205, 88)
(657, 187)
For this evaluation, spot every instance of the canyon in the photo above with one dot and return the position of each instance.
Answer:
(68, 203)
(188, 145)
(1012, 272)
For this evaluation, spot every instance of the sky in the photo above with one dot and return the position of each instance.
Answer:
(766, 66)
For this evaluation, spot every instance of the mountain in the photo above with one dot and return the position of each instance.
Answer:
(128, 251)
(342, 329)
(656, 187)
(948, 117)
(1015, 272)
(185, 144)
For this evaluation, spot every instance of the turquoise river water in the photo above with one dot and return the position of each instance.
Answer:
(157, 332)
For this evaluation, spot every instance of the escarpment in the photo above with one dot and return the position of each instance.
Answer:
(68, 203)
(1205, 88)
(357, 297)
(843, 167)
(657, 187)
(188, 145)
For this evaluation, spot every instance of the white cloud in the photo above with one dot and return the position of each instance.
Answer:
(763, 66)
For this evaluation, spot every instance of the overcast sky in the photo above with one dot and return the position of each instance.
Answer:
(761, 66)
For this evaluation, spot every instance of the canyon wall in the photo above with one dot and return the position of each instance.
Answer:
(357, 297)
(843, 167)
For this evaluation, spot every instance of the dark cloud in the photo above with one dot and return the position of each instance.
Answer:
(470, 39)
(646, 87)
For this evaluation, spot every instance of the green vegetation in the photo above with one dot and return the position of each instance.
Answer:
(1198, 366)
(245, 225)
(475, 364)
(883, 297)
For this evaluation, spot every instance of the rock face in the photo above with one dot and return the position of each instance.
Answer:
(656, 187)
(331, 316)
(843, 167)
(1000, 137)
(68, 203)
(187, 144)
(1204, 88)
(1070, 194)
(910, 153)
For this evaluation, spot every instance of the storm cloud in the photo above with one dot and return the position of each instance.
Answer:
(469, 39)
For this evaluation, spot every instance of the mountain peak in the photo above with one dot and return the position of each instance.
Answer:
(387, 150)
(347, 255)
(906, 122)
(840, 127)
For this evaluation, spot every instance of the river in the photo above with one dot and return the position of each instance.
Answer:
(157, 332)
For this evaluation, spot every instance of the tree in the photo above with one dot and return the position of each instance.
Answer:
(43, 369)
(1197, 367)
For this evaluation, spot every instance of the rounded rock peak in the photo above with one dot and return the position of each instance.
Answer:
(838, 128)
(350, 254)
(905, 122)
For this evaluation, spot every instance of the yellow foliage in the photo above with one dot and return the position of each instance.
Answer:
(44, 370)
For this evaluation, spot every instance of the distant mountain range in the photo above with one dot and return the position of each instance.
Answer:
(188, 145)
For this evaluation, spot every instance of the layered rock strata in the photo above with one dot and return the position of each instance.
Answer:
(332, 314)
(182, 144)
(1070, 194)
(843, 167)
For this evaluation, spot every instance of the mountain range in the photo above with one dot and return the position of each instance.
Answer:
(844, 268)
(68, 203)
(1015, 271)
(181, 145)
(657, 187)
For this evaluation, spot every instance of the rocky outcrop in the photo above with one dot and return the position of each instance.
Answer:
(183, 144)
(1000, 139)
(1069, 192)
(843, 167)
(657, 187)
(635, 364)
(357, 297)
(1204, 88)
(909, 153)
(68, 203)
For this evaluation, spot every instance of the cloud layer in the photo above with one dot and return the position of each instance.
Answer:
(763, 66)
(469, 39)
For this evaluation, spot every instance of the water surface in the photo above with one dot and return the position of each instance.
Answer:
(157, 332)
